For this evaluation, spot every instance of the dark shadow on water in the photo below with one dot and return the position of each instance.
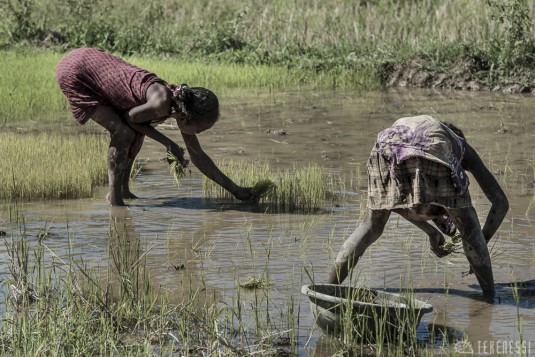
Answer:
(215, 204)
(505, 294)
(437, 335)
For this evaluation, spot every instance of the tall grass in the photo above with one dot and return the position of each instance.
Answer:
(267, 30)
(302, 189)
(34, 166)
(319, 36)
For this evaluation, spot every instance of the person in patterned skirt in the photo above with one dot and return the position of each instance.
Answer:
(417, 169)
(129, 102)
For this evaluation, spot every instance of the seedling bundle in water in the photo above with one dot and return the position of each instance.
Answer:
(262, 188)
(254, 283)
(176, 168)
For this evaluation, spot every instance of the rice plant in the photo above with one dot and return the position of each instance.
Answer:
(36, 166)
(302, 189)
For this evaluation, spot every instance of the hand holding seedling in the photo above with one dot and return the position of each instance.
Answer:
(177, 165)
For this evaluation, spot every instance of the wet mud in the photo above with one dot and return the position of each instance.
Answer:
(463, 76)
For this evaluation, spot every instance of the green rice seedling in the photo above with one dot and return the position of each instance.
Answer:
(262, 188)
(36, 166)
(66, 306)
(254, 283)
(519, 317)
(302, 189)
(453, 244)
(176, 169)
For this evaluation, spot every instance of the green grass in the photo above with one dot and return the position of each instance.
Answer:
(30, 95)
(64, 306)
(302, 189)
(286, 43)
(35, 166)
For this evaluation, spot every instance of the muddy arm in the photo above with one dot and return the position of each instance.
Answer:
(436, 239)
(154, 134)
(206, 165)
(492, 190)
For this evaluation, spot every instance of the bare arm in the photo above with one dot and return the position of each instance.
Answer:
(492, 190)
(206, 165)
(154, 134)
(157, 107)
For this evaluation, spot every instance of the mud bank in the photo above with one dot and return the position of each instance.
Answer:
(467, 75)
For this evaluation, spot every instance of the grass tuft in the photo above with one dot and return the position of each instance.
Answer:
(36, 166)
(300, 189)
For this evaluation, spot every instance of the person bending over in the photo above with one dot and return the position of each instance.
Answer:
(417, 169)
(129, 102)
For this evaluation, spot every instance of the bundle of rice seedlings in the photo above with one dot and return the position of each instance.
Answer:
(253, 283)
(176, 168)
(453, 244)
(262, 188)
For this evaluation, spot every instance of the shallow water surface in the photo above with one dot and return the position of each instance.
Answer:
(212, 245)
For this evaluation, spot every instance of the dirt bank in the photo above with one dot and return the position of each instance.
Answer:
(463, 76)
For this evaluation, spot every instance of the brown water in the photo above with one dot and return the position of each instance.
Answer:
(221, 242)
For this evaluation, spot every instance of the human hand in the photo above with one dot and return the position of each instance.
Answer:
(177, 154)
(243, 194)
(437, 245)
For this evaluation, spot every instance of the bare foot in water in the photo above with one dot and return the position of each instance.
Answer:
(129, 196)
(116, 202)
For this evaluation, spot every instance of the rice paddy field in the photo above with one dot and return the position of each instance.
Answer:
(186, 270)
(182, 271)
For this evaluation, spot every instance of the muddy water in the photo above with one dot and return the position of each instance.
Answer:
(210, 246)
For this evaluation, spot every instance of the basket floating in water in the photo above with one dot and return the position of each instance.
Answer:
(371, 314)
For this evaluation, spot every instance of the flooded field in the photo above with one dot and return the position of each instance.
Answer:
(211, 246)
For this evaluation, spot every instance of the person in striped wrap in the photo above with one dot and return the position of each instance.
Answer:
(417, 169)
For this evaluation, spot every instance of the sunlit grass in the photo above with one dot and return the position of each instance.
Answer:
(28, 88)
(301, 189)
(35, 166)
(28, 95)
(57, 305)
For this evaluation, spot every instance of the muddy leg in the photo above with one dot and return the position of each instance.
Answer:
(121, 136)
(126, 193)
(475, 247)
(116, 162)
(368, 231)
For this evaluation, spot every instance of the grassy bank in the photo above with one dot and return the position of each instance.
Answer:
(488, 39)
